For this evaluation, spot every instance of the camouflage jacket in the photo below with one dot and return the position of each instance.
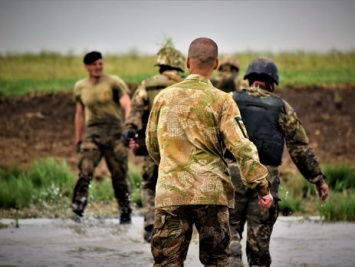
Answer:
(142, 102)
(228, 81)
(190, 126)
(295, 138)
(143, 97)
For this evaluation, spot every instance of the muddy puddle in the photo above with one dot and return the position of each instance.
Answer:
(104, 243)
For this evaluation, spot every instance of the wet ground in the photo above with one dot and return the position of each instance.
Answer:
(104, 243)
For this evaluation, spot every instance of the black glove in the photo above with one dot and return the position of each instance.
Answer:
(127, 135)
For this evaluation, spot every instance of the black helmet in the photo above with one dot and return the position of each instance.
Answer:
(264, 69)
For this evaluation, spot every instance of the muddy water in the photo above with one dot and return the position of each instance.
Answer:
(104, 243)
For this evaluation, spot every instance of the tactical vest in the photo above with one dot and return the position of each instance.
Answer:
(153, 86)
(261, 116)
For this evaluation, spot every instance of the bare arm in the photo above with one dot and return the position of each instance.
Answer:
(125, 103)
(79, 122)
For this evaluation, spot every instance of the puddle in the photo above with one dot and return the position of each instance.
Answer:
(103, 242)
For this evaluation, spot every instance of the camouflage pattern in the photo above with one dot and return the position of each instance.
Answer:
(228, 81)
(260, 222)
(296, 139)
(298, 146)
(227, 78)
(190, 126)
(142, 102)
(102, 138)
(149, 181)
(169, 56)
(229, 61)
(173, 232)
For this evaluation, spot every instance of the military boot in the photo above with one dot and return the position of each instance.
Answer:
(125, 217)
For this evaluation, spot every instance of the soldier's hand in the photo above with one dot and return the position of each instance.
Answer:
(128, 137)
(132, 144)
(323, 191)
(266, 201)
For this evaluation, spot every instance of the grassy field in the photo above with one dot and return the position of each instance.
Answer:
(50, 72)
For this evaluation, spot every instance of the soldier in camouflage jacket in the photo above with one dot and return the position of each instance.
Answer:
(171, 63)
(270, 122)
(189, 128)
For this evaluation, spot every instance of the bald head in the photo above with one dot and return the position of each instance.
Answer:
(202, 56)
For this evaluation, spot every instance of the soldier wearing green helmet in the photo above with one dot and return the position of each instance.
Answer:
(171, 64)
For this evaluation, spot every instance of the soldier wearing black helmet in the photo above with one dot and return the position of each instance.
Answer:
(171, 64)
(270, 122)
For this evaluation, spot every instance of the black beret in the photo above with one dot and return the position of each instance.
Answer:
(91, 57)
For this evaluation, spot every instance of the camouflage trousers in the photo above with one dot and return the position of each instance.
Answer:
(260, 222)
(173, 229)
(116, 157)
(149, 181)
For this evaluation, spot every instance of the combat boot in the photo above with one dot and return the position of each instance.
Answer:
(148, 233)
(78, 207)
(125, 217)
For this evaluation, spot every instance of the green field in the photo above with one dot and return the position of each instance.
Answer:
(49, 72)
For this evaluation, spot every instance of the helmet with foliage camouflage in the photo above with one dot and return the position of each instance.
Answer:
(262, 68)
(229, 61)
(168, 55)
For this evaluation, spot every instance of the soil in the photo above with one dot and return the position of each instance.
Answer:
(42, 125)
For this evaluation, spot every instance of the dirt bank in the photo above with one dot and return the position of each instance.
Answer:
(39, 126)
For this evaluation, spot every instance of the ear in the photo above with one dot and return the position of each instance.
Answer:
(188, 62)
(216, 64)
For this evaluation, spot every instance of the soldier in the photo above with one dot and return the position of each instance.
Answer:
(190, 126)
(102, 104)
(227, 78)
(171, 64)
(270, 121)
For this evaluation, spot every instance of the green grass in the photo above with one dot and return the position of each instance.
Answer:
(46, 181)
(300, 197)
(50, 182)
(339, 206)
(50, 72)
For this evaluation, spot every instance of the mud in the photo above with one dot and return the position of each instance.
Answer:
(102, 242)
(39, 126)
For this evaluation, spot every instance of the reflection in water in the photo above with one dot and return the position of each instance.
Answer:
(103, 242)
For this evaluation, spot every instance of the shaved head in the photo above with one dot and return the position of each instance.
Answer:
(203, 52)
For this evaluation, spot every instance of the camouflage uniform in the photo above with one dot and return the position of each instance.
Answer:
(190, 126)
(288, 126)
(142, 102)
(102, 138)
(227, 78)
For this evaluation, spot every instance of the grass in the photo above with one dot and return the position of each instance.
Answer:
(299, 197)
(51, 72)
(45, 190)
